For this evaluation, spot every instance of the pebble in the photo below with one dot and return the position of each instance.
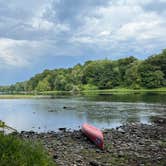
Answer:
(131, 144)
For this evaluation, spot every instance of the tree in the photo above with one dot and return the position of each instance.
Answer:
(123, 65)
(151, 77)
(132, 76)
(60, 82)
(159, 61)
(43, 86)
(99, 74)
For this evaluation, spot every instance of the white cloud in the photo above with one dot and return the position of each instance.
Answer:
(29, 30)
(41, 24)
(17, 53)
(121, 22)
(131, 2)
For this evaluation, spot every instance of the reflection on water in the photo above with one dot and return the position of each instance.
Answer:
(103, 111)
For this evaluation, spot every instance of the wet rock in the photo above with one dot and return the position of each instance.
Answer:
(121, 154)
(66, 107)
(159, 119)
(55, 156)
(50, 110)
(121, 130)
(131, 144)
(62, 129)
(94, 163)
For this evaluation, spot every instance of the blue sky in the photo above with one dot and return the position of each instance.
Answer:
(48, 34)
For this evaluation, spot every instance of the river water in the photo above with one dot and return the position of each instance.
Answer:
(100, 110)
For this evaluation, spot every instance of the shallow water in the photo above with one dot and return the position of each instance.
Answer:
(103, 111)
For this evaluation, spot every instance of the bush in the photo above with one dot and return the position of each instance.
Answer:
(16, 152)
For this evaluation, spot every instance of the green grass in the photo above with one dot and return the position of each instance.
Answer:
(125, 90)
(46, 94)
(131, 90)
(16, 152)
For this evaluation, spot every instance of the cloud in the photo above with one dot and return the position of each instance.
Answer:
(17, 53)
(124, 26)
(32, 30)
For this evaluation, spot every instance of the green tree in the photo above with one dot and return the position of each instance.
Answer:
(151, 77)
(60, 82)
(43, 86)
(124, 65)
(132, 76)
(99, 73)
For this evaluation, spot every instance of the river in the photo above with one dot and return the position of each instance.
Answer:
(100, 110)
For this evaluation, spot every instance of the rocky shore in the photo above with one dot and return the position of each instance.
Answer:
(132, 144)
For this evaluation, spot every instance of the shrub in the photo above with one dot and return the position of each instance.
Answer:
(16, 152)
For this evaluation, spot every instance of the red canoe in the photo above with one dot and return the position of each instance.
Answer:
(93, 134)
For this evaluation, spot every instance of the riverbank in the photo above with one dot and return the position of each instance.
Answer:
(124, 91)
(132, 144)
(49, 94)
(23, 96)
(107, 91)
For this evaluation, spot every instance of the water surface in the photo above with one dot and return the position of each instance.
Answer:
(103, 111)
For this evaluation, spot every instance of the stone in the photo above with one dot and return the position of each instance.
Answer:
(94, 163)
(62, 129)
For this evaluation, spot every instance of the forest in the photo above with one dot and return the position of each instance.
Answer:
(128, 72)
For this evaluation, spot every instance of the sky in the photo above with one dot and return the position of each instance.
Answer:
(49, 34)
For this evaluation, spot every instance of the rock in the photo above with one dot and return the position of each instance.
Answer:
(159, 119)
(98, 151)
(79, 161)
(69, 108)
(55, 156)
(121, 154)
(62, 129)
(121, 130)
(94, 163)
(131, 144)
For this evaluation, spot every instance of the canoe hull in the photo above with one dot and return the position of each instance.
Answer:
(93, 134)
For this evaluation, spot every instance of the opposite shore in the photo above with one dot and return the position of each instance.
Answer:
(48, 94)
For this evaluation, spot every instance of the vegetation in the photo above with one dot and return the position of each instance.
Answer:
(15, 152)
(100, 74)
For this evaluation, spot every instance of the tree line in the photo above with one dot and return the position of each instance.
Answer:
(99, 74)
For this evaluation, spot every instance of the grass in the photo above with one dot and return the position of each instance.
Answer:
(118, 90)
(125, 90)
(46, 94)
(131, 90)
(16, 152)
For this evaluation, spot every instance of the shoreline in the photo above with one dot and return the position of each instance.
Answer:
(131, 144)
(51, 94)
